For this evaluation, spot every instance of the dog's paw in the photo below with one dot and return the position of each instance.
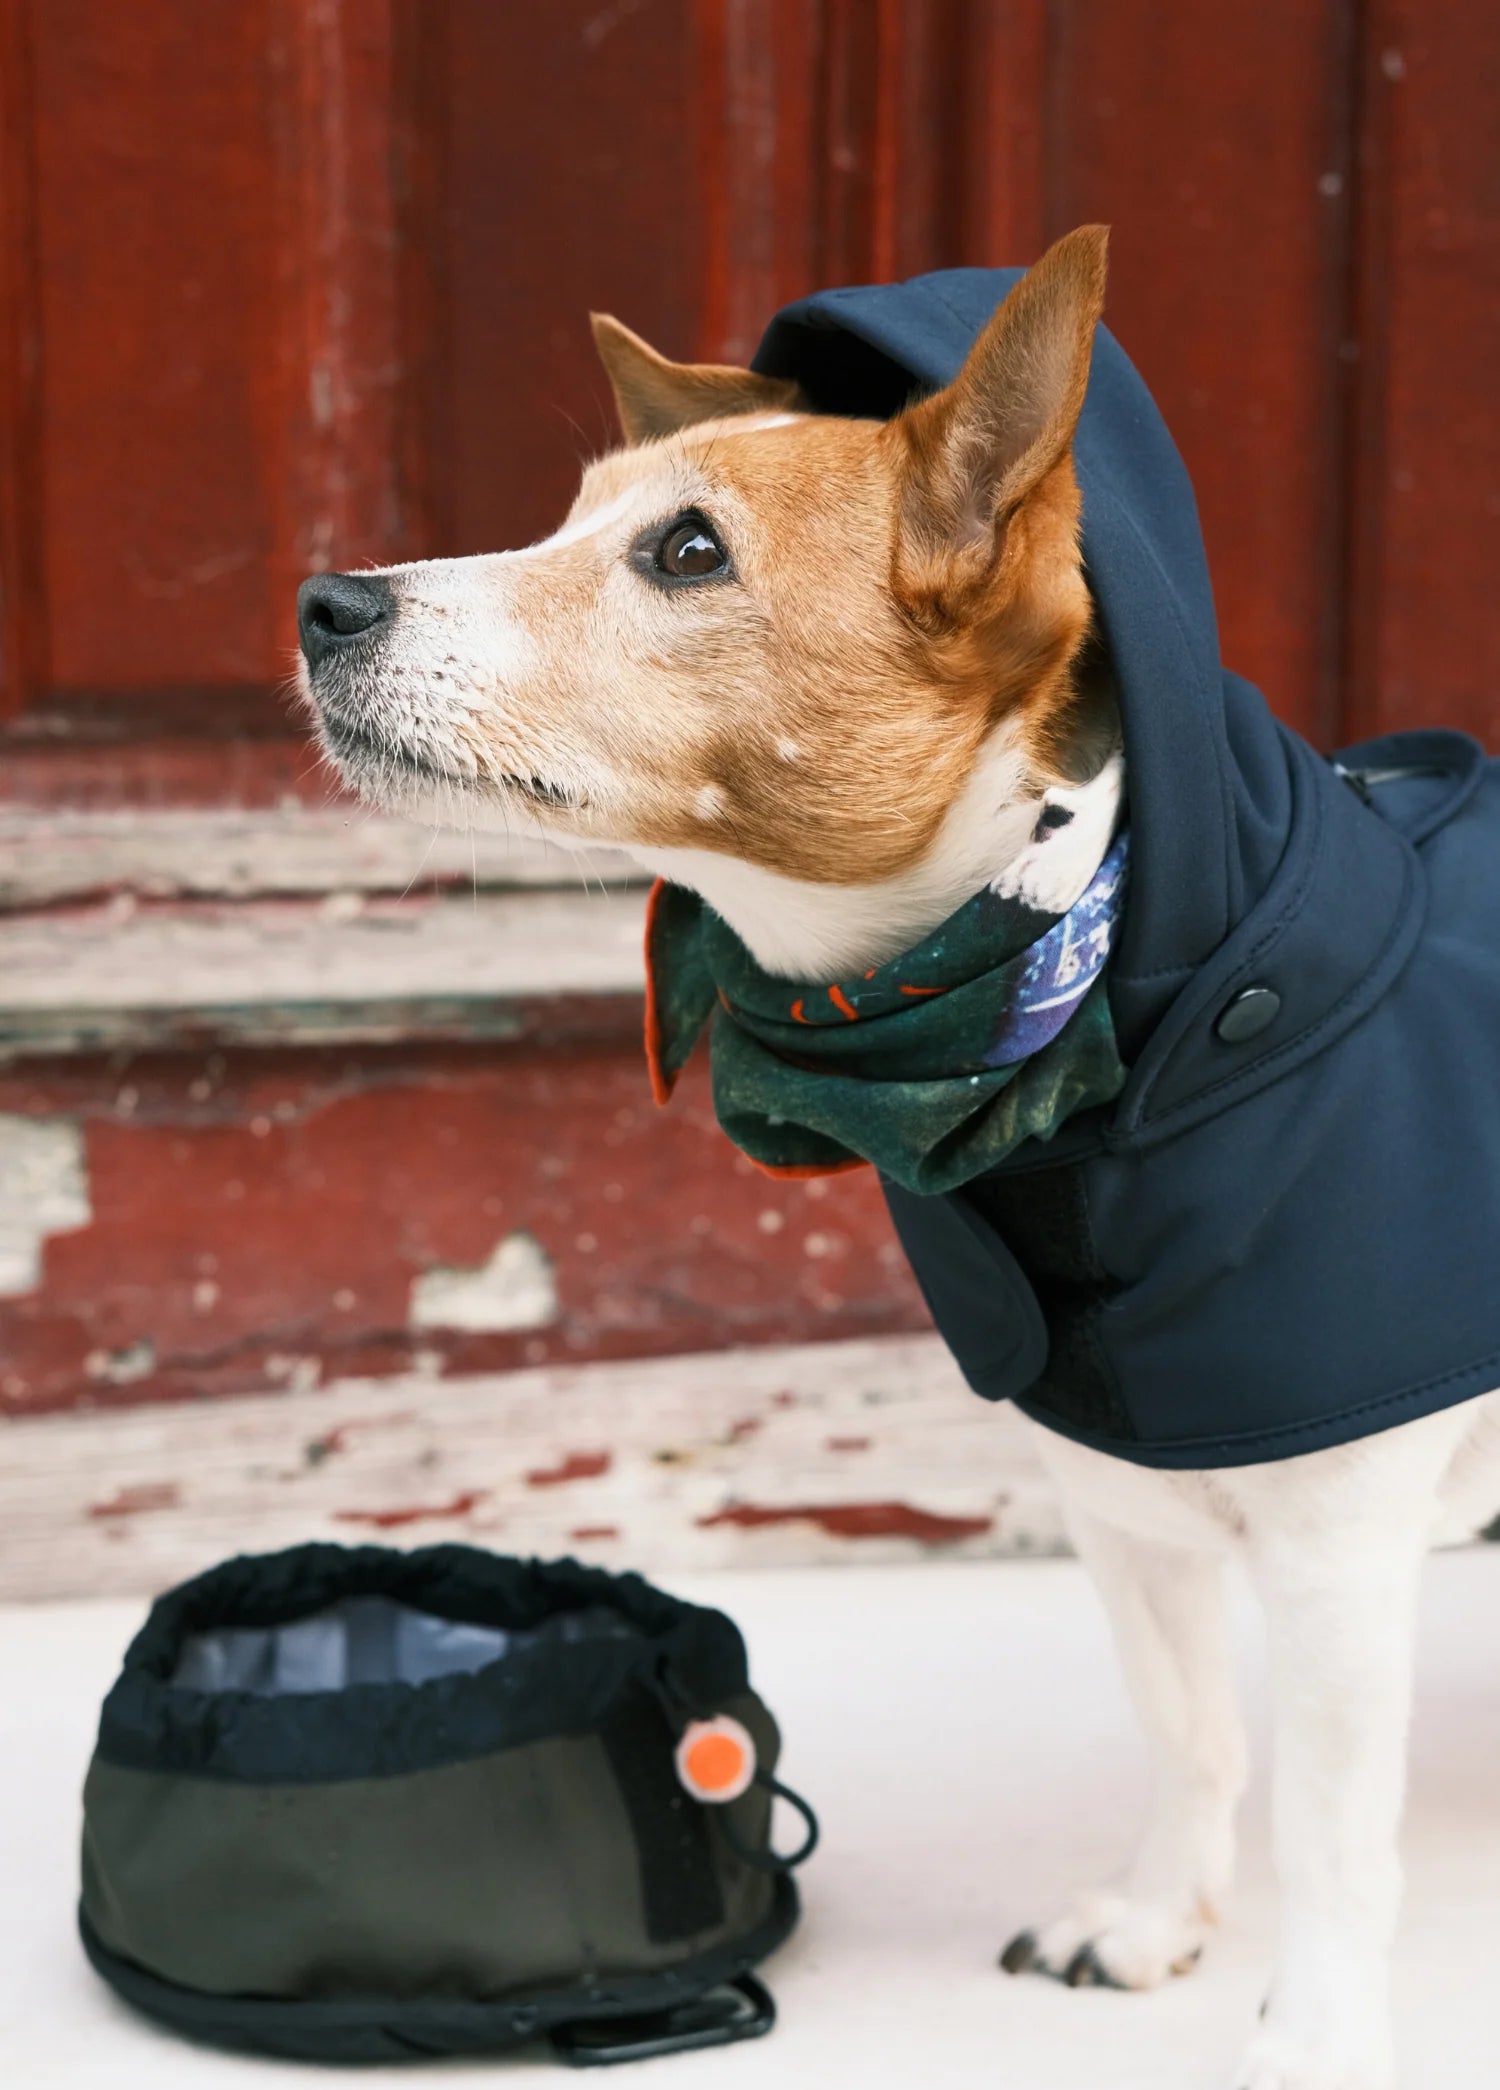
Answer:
(1280, 2060)
(1107, 1940)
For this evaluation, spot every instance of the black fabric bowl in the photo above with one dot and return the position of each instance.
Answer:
(354, 1804)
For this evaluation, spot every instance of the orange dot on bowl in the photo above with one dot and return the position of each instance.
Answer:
(715, 1761)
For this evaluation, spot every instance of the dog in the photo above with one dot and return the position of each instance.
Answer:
(832, 674)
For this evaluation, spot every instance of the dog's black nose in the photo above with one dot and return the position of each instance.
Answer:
(336, 610)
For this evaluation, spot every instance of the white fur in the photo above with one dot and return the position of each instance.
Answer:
(745, 424)
(592, 523)
(1054, 868)
(815, 932)
(1334, 1541)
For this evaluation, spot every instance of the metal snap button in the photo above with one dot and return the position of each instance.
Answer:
(1252, 1010)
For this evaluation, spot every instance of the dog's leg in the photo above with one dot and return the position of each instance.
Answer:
(1341, 1614)
(1166, 1605)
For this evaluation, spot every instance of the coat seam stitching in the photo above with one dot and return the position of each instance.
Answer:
(1275, 1432)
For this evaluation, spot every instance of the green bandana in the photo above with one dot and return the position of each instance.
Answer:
(934, 1066)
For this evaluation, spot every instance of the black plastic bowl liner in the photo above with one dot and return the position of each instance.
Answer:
(356, 1804)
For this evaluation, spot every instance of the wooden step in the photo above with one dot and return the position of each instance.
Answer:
(63, 855)
(268, 1120)
(824, 1452)
(130, 932)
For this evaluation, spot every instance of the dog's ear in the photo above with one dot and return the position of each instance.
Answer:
(972, 453)
(654, 397)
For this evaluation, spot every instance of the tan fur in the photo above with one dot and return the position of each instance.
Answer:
(654, 397)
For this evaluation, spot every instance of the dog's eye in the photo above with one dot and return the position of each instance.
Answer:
(690, 550)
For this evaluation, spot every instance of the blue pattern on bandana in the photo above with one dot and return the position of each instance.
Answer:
(1061, 966)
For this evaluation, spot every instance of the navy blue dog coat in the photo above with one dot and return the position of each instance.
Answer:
(1284, 1233)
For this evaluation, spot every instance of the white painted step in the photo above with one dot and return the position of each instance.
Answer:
(780, 1456)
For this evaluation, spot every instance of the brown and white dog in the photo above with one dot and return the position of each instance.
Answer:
(666, 673)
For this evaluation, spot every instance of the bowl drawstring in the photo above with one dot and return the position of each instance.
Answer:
(683, 1714)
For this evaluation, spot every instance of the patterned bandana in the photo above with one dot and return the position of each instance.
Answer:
(934, 1066)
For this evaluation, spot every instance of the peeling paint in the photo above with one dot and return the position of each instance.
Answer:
(515, 1288)
(418, 1513)
(297, 1374)
(856, 1520)
(578, 1465)
(337, 1439)
(386, 1458)
(138, 1501)
(43, 1191)
(122, 1367)
(288, 1260)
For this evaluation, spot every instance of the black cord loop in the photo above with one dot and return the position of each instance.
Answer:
(769, 1860)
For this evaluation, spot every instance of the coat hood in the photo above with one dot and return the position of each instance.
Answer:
(1210, 770)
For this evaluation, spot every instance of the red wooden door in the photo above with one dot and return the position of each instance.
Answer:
(312, 287)
(298, 283)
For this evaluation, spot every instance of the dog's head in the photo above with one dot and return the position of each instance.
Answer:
(764, 632)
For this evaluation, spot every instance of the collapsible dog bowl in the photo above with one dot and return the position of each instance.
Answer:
(355, 1804)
